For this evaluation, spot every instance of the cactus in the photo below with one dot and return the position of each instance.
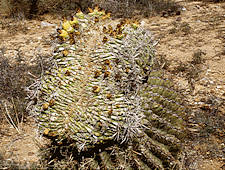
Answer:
(103, 95)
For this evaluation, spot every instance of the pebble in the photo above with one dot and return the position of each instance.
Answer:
(183, 9)
(46, 24)
(197, 6)
(61, 48)
(219, 87)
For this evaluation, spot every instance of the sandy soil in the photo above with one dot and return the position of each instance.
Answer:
(192, 49)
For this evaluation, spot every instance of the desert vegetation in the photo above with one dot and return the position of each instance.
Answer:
(26, 55)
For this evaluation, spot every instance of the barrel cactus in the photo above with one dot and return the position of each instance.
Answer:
(104, 95)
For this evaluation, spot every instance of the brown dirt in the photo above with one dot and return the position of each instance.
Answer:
(192, 48)
(23, 146)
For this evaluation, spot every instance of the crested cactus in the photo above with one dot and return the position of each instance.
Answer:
(104, 93)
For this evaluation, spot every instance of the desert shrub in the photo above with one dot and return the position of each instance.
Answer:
(11, 88)
(29, 8)
(19, 8)
(15, 76)
(129, 8)
(120, 8)
(214, 1)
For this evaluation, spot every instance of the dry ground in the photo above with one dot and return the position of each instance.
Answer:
(191, 48)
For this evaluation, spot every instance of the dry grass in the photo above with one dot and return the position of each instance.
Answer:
(17, 8)
(213, 1)
(11, 88)
(120, 8)
(144, 8)
(30, 8)
(15, 77)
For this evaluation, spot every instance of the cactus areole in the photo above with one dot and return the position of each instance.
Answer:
(103, 88)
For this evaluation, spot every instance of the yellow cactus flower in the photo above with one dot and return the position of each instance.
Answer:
(63, 33)
(96, 89)
(135, 24)
(46, 131)
(120, 36)
(108, 15)
(74, 21)
(101, 12)
(65, 53)
(51, 102)
(97, 73)
(66, 26)
(80, 14)
(96, 11)
(90, 10)
(45, 106)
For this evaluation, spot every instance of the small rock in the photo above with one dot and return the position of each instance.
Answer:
(46, 24)
(178, 12)
(178, 19)
(143, 23)
(164, 14)
(219, 87)
(30, 153)
(183, 9)
(61, 48)
(197, 6)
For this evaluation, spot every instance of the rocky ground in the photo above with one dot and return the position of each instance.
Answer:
(191, 49)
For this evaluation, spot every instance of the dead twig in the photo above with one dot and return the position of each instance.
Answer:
(9, 118)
